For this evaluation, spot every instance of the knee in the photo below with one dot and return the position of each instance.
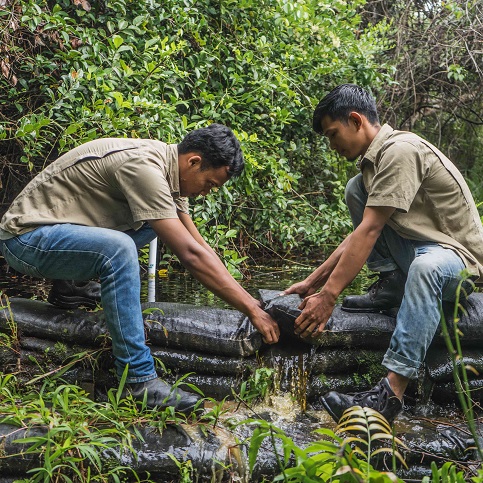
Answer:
(122, 249)
(426, 272)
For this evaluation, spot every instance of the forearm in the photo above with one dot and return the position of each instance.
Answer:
(351, 261)
(320, 276)
(208, 269)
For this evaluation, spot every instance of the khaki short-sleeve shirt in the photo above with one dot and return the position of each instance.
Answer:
(432, 200)
(110, 183)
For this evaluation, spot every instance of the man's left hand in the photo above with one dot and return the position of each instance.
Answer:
(316, 310)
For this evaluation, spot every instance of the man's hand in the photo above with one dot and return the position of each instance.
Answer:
(302, 288)
(316, 311)
(266, 326)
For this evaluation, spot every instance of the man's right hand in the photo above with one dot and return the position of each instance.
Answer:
(302, 288)
(266, 326)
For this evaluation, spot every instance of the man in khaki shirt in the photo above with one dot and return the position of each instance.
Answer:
(86, 215)
(416, 224)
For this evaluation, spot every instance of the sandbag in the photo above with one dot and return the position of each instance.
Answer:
(184, 362)
(369, 330)
(439, 366)
(334, 361)
(180, 326)
(205, 329)
(212, 452)
(39, 319)
(343, 329)
(445, 393)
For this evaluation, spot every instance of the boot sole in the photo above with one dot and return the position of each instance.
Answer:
(66, 302)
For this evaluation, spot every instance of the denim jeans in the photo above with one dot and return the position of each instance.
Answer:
(74, 252)
(433, 274)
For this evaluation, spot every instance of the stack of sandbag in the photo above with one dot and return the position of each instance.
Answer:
(216, 347)
(348, 353)
(219, 348)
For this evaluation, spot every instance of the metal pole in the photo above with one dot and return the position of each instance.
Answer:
(153, 251)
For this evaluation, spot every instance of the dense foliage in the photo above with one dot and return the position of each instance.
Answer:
(437, 86)
(72, 73)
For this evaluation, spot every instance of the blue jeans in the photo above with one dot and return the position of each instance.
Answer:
(433, 274)
(74, 252)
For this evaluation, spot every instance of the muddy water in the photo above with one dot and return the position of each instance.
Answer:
(180, 286)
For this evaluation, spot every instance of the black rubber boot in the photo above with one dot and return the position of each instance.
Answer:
(384, 295)
(381, 398)
(161, 395)
(71, 294)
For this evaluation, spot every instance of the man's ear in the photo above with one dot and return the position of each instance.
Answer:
(356, 119)
(194, 160)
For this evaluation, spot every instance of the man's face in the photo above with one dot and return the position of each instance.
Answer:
(345, 138)
(195, 182)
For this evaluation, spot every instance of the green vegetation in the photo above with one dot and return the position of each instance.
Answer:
(159, 69)
(460, 370)
(334, 457)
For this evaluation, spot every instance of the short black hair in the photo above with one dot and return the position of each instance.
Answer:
(217, 146)
(343, 100)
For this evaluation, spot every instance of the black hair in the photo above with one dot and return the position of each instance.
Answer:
(217, 146)
(343, 100)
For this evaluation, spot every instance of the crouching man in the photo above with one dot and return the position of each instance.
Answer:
(415, 223)
(86, 215)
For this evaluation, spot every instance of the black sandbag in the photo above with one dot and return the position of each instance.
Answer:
(341, 360)
(319, 385)
(283, 308)
(470, 324)
(439, 366)
(216, 387)
(213, 452)
(210, 454)
(184, 362)
(182, 326)
(343, 329)
(369, 330)
(15, 460)
(443, 443)
(445, 393)
(39, 319)
(205, 329)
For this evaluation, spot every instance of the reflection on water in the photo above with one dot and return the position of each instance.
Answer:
(180, 286)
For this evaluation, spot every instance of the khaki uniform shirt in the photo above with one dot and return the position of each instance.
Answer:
(110, 183)
(432, 200)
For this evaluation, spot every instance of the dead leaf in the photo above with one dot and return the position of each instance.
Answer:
(5, 66)
(84, 4)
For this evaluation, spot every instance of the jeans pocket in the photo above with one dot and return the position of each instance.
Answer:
(19, 265)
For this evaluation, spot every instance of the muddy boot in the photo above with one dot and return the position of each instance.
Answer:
(71, 294)
(381, 398)
(161, 395)
(384, 295)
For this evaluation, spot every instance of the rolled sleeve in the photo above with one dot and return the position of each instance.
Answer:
(399, 175)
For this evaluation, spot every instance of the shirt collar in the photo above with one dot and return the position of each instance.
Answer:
(173, 167)
(374, 148)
